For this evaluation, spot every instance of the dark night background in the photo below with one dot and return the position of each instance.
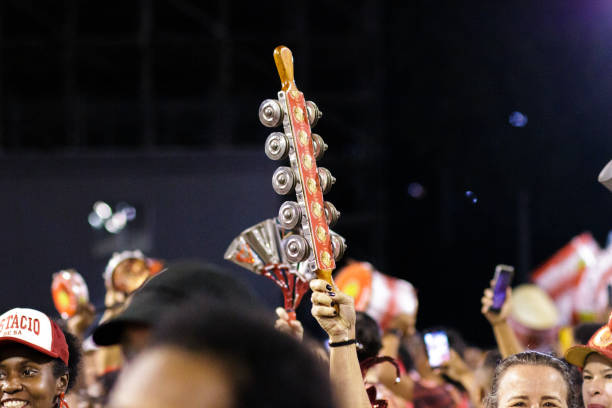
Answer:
(154, 102)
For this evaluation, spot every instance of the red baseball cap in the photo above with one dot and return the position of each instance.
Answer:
(36, 330)
(600, 342)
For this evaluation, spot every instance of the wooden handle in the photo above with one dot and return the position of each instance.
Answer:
(284, 65)
(326, 275)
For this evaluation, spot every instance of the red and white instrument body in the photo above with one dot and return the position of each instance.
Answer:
(308, 187)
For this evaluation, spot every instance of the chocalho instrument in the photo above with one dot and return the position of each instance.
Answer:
(298, 245)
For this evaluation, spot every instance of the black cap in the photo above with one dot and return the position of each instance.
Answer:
(164, 292)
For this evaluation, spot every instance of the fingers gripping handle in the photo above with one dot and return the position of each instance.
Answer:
(326, 275)
(284, 64)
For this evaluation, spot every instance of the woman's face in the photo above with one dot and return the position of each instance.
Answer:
(532, 386)
(26, 378)
(597, 382)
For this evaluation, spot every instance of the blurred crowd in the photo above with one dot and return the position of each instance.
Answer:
(188, 333)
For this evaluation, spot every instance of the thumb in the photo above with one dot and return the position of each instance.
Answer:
(281, 313)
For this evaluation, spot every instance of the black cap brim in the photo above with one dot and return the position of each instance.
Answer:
(144, 310)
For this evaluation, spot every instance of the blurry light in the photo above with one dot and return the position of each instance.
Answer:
(471, 196)
(416, 190)
(116, 223)
(103, 216)
(517, 119)
(127, 209)
(95, 221)
(130, 213)
(103, 210)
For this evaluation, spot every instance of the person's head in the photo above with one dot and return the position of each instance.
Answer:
(367, 334)
(597, 381)
(531, 379)
(163, 293)
(38, 360)
(213, 355)
(595, 358)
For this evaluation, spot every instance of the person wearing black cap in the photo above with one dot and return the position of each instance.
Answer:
(215, 355)
(38, 360)
(165, 292)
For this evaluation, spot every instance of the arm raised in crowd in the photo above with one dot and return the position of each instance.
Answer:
(403, 326)
(504, 335)
(339, 324)
(459, 371)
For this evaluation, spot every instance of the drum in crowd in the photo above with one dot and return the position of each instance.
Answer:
(379, 295)
(534, 318)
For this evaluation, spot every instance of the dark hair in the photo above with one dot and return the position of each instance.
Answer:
(584, 331)
(74, 359)
(577, 377)
(533, 358)
(275, 370)
(492, 358)
(367, 334)
(404, 356)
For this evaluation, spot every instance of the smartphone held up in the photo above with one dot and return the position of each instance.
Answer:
(503, 278)
(438, 349)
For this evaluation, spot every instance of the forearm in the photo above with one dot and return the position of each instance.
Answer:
(390, 347)
(506, 339)
(387, 374)
(335, 312)
(346, 377)
(469, 383)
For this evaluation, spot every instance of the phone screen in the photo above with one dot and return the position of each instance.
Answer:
(503, 277)
(438, 350)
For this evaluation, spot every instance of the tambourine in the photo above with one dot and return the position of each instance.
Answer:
(69, 290)
(534, 318)
(128, 270)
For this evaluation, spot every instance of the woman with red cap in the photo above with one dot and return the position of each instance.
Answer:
(38, 361)
(595, 358)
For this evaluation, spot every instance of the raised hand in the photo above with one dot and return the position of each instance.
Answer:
(506, 339)
(487, 302)
(291, 327)
(83, 318)
(334, 310)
